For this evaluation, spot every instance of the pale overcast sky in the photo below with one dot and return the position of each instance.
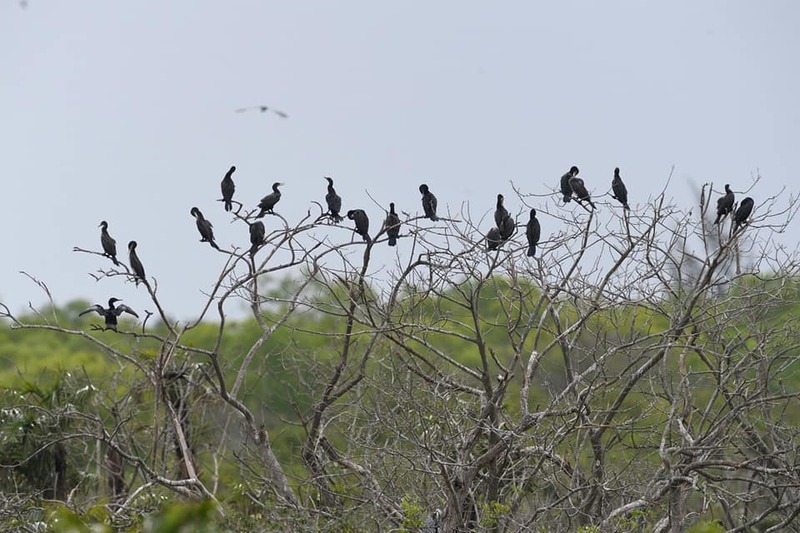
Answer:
(124, 111)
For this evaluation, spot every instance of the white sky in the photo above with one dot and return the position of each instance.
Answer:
(124, 111)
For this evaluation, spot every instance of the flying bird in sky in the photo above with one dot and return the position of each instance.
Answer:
(263, 109)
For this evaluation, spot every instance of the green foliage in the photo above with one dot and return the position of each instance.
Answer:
(183, 518)
(707, 526)
(492, 512)
(35, 415)
(173, 518)
(635, 521)
(49, 377)
(65, 520)
(413, 514)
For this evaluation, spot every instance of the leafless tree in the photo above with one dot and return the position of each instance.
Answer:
(638, 371)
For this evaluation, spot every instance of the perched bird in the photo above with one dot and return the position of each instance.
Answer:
(334, 202)
(579, 190)
(204, 227)
(566, 189)
(111, 313)
(257, 232)
(725, 204)
(392, 224)
(362, 222)
(428, 202)
(268, 202)
(500, 212)
(507, 229)
(136, 264)
(228, 187)
(493, 239)
(620, 191)
(533, 232)
(742, 213)
(505, 224)
(109, 244)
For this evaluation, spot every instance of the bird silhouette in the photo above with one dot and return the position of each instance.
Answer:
(533, 231)
(228, 187)
(359, 216)
(566, 190)
(257, 232)
(136, 264)
(725, 204)
(742, 213)
(262, 109)
(502, 218)
(579, 190)
(111, 313)
(392, 224)
(108, 243)
(268, 202)
(429, 202)
(620, 191)
(334, 202)
(493, 239)
(204, 227)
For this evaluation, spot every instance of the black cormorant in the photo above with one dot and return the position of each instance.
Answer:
(228, 188)
(111, 313)
(566, 190)
(362, 222)
(268, 202)
(742, 213)
(500, 213)
(334, 202)
(392, 224)
(204, 227)
(136, 264)
(533, 232)
(620, 191)
(493, 239)
(507, 229)
(579, 190)
(257, 232)
(109, 244)
(505, 224)
(429, 202)
(725, 204)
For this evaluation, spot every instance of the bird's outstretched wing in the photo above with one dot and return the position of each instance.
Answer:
(96, 308)
(122, 308)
